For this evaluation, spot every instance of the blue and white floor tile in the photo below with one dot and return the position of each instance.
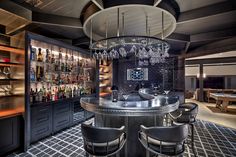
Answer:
(211, 140)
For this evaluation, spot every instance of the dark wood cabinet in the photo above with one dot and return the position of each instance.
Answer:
(41, 122)
(62, 116)
(11, 134)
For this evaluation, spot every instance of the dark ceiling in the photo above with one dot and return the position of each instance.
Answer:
(199, 22)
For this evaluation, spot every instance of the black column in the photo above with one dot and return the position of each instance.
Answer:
(201, 97)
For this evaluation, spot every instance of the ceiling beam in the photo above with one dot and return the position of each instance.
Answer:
(218, 35)
(187, 47)
(204, 12)
(81, 41)
(178, 37)
(156, 2)
(211, 61)
(49, 19)
(213, 48)
(16, 9)
(98, 3)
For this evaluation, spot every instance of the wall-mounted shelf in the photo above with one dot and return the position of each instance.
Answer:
(105, 70)
(12, 49)
(11, 64)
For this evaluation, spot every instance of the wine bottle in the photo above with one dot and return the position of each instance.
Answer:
(53, 58)
(48, 56)
(32, 74)
(36, 95)
(60, 54)
(40, 93)
(66, 57)
(31, 96)
(74, 92)
(33, 54)
(40, 55)
(72, 57)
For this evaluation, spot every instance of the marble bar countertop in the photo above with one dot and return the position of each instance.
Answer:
(158, 105)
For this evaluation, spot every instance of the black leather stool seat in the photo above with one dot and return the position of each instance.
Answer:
(188, 112)
(164, 140)
(100, 141)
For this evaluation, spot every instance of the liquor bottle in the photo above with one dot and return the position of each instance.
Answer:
(60, 54)
(49, 94)
(66, 57)
(40, 55)
(31, 96)
(70, 92)
(44, 98)
(36, 95)
(40, 93)
(74, 92)
(52, 58)
(66, 67)
(33, 54)
(32, 74)
(62, 67)
(72, 57)
(39, 71)
(48, 56)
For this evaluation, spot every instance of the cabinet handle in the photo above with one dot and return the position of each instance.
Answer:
(42, 119)
(62, 122)
(44, 109)
(40, 131)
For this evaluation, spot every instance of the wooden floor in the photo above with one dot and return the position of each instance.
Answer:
(208, 112)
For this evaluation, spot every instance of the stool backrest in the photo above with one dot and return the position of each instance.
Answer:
(100, 134)
(176, 134)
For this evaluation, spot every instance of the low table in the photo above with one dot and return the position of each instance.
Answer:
(222, 100)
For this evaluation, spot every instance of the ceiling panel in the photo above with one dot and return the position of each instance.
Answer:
(11, 21)
(208, 24)
(67, 32)
(186, 5)
(70, 8)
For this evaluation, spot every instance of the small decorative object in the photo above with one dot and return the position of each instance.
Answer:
(137, 74)
(114, 95)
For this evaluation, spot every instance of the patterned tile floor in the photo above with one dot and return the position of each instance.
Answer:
(211, 140)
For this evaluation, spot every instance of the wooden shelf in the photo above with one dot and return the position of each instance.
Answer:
(11, 112)
(11, 79)
(103, 94)
(14, 95)
(11, 64)
(12, 49)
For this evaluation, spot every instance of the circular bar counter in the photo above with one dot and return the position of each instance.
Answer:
(131, 114)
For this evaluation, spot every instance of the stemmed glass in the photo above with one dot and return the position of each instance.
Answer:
(95, 55)
(6, 71)
(123, 52)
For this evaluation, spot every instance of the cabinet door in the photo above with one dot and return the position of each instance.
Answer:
(62, 116)
(10, 134)
(41, 122)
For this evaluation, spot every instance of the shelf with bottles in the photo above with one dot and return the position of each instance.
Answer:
(57, 73)
(50, 93)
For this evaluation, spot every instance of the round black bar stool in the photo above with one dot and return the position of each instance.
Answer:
(168, 141)
(103, 142)
(186, 114)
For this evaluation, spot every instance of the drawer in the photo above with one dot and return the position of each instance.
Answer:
(39, 119)
(40, 132)
(61, 122)
(40, 110)
(61, 109)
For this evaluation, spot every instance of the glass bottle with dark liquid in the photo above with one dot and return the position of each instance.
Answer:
(48, 56)
(40, 55)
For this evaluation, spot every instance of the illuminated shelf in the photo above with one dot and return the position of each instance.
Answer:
(11, 64)
(12, 49)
